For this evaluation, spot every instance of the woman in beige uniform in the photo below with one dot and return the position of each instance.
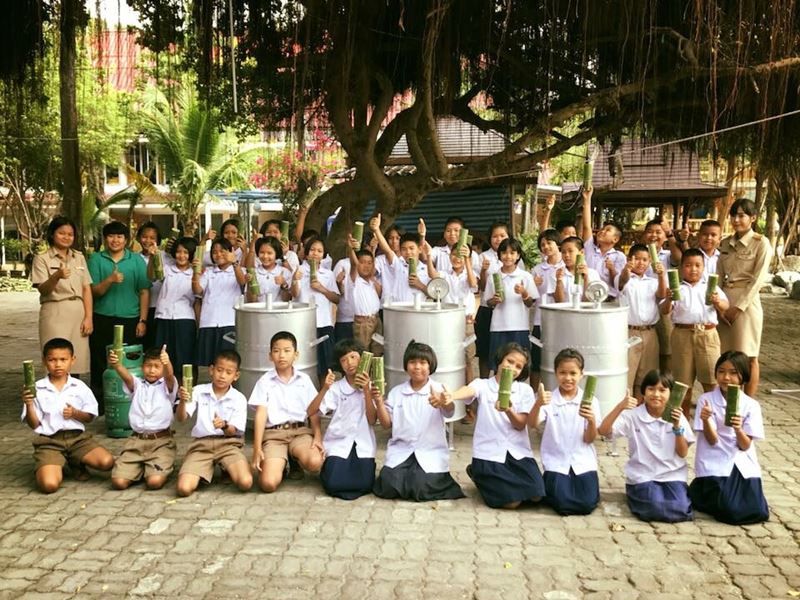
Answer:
(65, 292)
(743, 264)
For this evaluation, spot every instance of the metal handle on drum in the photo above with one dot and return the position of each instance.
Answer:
(534, 340)
(230, 337)
(633, 341)
(318, 341)
(377, 338)
(469, 340)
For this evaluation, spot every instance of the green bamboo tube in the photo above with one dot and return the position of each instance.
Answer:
(285, 230)
(312, 269)
(158, 265)
(579, 260)
(412, 268)
(463, 236)
(506, 381)
(731, 403)
(588, 171)
(377, 374)
(674, 283)
(255, 287)
(675, 400)
(588, 391)
(469, 241)
(497, 280)
(653, 250)
(188, 380)
(358, 231)
(711, 288)
(364, 363)
(29, 374)
(119, 340)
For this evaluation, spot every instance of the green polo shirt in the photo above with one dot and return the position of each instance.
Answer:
(121, 299)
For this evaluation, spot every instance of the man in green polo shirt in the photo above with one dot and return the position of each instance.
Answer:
(121, 293)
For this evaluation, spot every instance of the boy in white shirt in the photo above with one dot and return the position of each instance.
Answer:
(219, 429)
(406, 285)
(57, 411)
(708, 239)
(150, 451)
(281, 426)
(365, 292)
(655, 232)
(600, 249)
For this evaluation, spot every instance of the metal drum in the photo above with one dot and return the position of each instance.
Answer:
(441, 326)
(600, 334)
(256, 323)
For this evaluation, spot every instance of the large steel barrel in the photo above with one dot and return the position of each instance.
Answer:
(600, 334)
(441, 326)
(255, 326)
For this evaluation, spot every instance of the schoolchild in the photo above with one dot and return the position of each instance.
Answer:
(220, 287)
(272, 278)
(600, 248)
(230, 232)
(349, 468)
(406, 285)
(218, 431)
(571, 247)
(503, 468)
(570, 428)
(384, 273)
(417, 461)
(149, 452)
(281, 426)
(708, 240)
(544, 277)
(655, 232)
(149, 238)
(365, 292)
(440, 255)
(656, 471)
(489, 263)
(272, 228)
(728, 477)
(58, 411)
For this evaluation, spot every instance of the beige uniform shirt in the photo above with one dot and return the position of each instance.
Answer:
(744, 263)
(44, 265)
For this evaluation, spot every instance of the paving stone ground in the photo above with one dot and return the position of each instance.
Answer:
(87, 541)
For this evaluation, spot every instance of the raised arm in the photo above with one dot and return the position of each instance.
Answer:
(375, 227)
(586, 216)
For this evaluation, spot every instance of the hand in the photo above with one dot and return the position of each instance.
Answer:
(164, 356)
(318, 287)
(362, 381)
(682, 235)
(258, 458)
(63, 271)
(583, 270)
(280, 280)
(230, 256)
(485, 264)
(587, 413)
(27, 396)
(715, 300)
(421, 229)
(116, 275)
(218, 421)
(676, 415)
(612, 270)
(297, 276)
(330, 379)
(168, 246)
(586, 193)
(183, 394)
(543, 397)
(629, 402)
(284, 246)
(211, 234)
(707, 411)
(69, 412)
(732, 314)
(141, 329)
(87, 326)
(440, 399)
(463, 252)
(375, 222)
(499, 408)
(248, 277)
(659, 268)
(470, 319)
(340, 277)
(353, 242)
(560, 274)
(240, 242)
(197, 263)
(519, 288)
(494, 300)
(317, 444)
(538, 280)
(736, 422)
(113, 359)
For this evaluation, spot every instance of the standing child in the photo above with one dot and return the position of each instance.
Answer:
(656, 233)
(511, 304)
(641, 294)
(728, 477)
(708, 239)
(416, 466)
(150, 451)
(382, 269)
(365, 291)
(220, 287)
(571, 248)
(406, 285)
(349, 468)
(230, 232)
(600, 248)
(281, 426)
(325, 294)
(149, 238)
(544, 277)
(490, 262)
(272, 278)
(568, 454)
(57, 411)
(656, 472)
(218, 431)
(272, 228)
(503, 467)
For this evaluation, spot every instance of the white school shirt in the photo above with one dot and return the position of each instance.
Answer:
(207, 262)
(639, 295)
(384, 275)
(596, 259)
(651, 447)
(417, 428)
(494, 265)
(345, 309)
(290, 261)
(460, 291)
(176, 299)
(50, 403)
(156, 287)
(232, 407)
(266, 280)
(665, 257)
(548, 288)
(512, 314)
(220, 293)
(563, 447)
(399, 269)
(709, 263)
(151, 404)
(718, 460)
(286, 402)
(366, 301)
(494, 435)
(692, 309)
(349, 423)
(441, 259)
(326, 278)
(569, 281)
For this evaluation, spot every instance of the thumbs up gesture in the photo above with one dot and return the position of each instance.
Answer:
(164, 356)
(543, 397)
(63, 271)
(116, 275)
(218, 422)
(629, 402)
(421, 228)
(707, 411)
(330, 379)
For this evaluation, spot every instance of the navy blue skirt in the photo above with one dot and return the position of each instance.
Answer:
(501, 484)
(498, 339)
(210, 342)
(180, 336)
(536, 351)
(483, 321)
(325, 351)
(666, 501)
(408, 481)
(348, 478)
(732, 499)
(572, 494)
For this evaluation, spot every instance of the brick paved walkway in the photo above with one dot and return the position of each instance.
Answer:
(87, 541)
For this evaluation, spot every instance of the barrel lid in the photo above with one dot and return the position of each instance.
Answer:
(586, 307)
(277, 307)
(425, 307)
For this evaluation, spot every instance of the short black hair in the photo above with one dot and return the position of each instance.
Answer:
(57, 344)
(410, 236)
(283, 335)
(653, 222)
(56, 224)
(563, 224)
(220, 241)
(568, 354)
(510, 244)
(615, 226)
(548, 234)
(573, 239)
(507, 349)
(343, 348)
(748, 207)
(499, 225)
(273, 242)
(226, 222)
(314, 240)
(635, 248)
(655, 377)
(309, 233)
(265, 226)
(710, 223)
(690, 253)
(364, 252)
(189, 243)
(392, 228)
(148, 225)
(152, 354)
(419, 351)
(231, 355)
(740, 362)
(116, 228)
(457, 220)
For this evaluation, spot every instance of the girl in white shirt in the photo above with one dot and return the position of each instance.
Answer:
(568, 454)
(271, 276)
(656, 472)
(416, 465)
(490, 262)
(503, 467)
(728, 477)
(349, 468)
(565, 277)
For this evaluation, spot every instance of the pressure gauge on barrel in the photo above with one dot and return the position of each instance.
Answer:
(438, 288)
(597, 292)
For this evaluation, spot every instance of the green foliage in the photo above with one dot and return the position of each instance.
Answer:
(16, 249)
(530, 251)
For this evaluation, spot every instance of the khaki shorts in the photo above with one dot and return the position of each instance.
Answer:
(204, 453)
(664, 331)
(56, 449)
(145, 458)
(642, 358)
(279, 443)
(694, 355)
(363, 328)
(469, 351)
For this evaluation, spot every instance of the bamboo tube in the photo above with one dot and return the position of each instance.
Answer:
(588, 391)
(377, 374)
(255, 287)
(674, 283)
(188, 380)
(711, 288)
(506, 381)
(653, 250)
(364, 363)
(731, 403)
(579, 260)
(312, 269)
(358, 231)
(412, 268)
(497, 280)
(29, 374)
(675, 400)
(119, 340)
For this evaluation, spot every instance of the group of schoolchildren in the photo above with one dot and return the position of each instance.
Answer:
(287, 407)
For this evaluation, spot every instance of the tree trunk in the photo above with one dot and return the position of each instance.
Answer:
(72, 200)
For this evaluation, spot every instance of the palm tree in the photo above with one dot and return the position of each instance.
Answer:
(187, 142)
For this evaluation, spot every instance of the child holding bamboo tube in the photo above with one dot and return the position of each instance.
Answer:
(365, 291)
(489, 263)
(600, 248)
(455, 235)
(349, 468)
(271, 277)
(655, 236)
(275, 228)
(728, 477)
(503, 468)
(570, 417)
(573, 277)
(409, 274)
(694, 339)
(544, 277)
(658, 442)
